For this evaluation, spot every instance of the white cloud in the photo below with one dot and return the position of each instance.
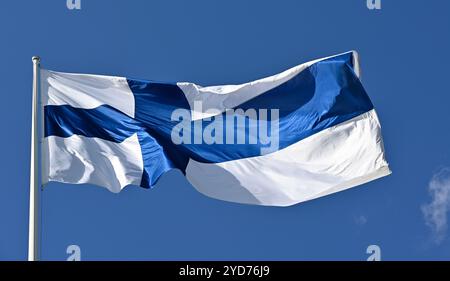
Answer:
(435, 212)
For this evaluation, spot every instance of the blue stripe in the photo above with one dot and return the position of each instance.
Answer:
(154, 104)
(323, 95)
(103, 122)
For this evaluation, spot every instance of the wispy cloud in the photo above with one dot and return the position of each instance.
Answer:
(435, 212)
(361, 220)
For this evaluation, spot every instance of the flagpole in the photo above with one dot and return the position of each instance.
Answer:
(33, 249)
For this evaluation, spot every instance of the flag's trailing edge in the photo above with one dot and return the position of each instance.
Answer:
(115, 131)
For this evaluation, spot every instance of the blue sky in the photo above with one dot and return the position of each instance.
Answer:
(404, 55)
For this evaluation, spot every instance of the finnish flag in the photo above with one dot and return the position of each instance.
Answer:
(301, 134)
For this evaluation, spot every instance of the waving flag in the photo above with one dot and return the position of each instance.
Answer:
(304, 133)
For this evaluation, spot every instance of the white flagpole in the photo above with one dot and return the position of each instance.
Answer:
(33, 234)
